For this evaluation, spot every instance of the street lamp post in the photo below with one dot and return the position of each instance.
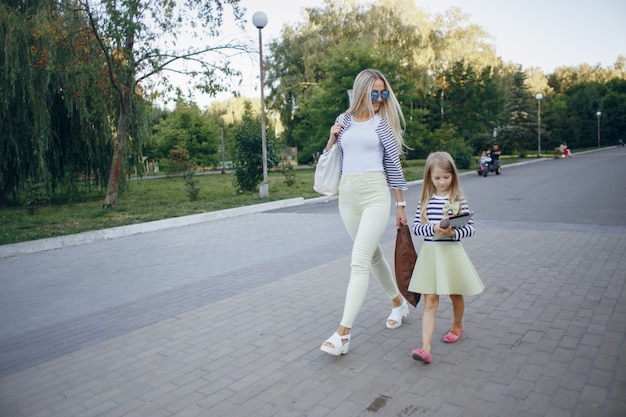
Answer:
(598, 114)
(539, 96)
(259, 19)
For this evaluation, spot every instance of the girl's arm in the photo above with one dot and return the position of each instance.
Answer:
(422, 229)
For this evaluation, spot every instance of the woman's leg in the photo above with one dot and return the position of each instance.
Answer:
(364, 209)
(384, 275)
(366, 228)
(431, 303)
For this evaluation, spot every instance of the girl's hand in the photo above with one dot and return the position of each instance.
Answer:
(400, 217)
(445, 231)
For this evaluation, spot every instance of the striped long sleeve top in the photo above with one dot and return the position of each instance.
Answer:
(391, 156)
(434, 213)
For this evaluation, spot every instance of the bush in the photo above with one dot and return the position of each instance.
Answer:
(36, 195)
(288, 172)
(191, 185)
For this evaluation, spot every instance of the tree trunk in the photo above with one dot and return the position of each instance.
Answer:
(115, 175)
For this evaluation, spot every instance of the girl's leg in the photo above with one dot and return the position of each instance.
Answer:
(431, 303)
(458, 308)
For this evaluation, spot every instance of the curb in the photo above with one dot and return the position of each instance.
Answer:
(41, 245)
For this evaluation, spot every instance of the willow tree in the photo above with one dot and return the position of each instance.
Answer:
(54, 112)
(145, 43)
(21, 103)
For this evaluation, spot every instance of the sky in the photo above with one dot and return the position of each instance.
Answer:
(534, 33)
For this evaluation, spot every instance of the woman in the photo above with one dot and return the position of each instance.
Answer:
(370, 141)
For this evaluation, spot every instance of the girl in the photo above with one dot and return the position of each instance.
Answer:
(442, 266)
(370, 140)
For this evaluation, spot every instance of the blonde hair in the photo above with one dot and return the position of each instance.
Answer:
(389, 109)
(445, 162)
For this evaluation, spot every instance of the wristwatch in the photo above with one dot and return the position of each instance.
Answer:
(400, 203)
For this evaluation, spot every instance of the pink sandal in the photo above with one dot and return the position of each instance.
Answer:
(421, 355)
(453, 336)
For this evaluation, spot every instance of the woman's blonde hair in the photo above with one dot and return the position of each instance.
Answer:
(389, 109)
(445, 162)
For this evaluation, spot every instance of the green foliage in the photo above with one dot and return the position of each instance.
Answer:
(54, 113)
(288, 172)
(447, 138)
(187, 127)
(472, 103)
(249, 160)
(179, 160)
(35, 195)
(519, 131)
(191, 185)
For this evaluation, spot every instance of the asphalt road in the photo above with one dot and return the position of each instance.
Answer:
(588, 189)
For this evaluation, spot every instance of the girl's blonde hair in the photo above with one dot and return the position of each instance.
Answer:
(443, 161)
(389, 109)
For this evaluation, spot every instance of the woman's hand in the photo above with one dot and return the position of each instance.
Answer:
(334, 134)
(400, 217)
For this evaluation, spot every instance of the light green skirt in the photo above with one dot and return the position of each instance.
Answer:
(445, 268)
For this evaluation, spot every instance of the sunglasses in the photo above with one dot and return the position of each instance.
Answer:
(382, 94)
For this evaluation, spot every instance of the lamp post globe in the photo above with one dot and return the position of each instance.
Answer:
(259, 19)
(539, 96)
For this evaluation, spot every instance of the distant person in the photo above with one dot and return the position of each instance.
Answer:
(370, 141)
(484, 158)
(442, 266)
(562, 148)
(495, 157)
(566, 151)
(620, 142)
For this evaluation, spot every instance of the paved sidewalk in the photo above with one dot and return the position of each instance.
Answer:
(238, 331)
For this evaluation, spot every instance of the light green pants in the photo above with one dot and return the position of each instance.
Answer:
(364, 204)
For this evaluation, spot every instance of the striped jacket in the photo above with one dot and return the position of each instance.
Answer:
(391, 156)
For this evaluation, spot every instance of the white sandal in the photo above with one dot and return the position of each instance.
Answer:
(339, 348)
(397, 314)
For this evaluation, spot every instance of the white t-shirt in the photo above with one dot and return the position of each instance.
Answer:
(362, 148)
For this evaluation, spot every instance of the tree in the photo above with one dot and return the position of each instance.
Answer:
(54, 112)
(473, 103)
(518, 132)
(314, 65)
(188, 128)
(249, 160)
(141, 46)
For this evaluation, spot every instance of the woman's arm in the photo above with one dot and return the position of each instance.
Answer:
(400, 208)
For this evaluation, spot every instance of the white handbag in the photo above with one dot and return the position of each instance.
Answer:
(326, 179)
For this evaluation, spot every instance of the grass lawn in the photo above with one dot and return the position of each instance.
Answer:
(146, 200)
